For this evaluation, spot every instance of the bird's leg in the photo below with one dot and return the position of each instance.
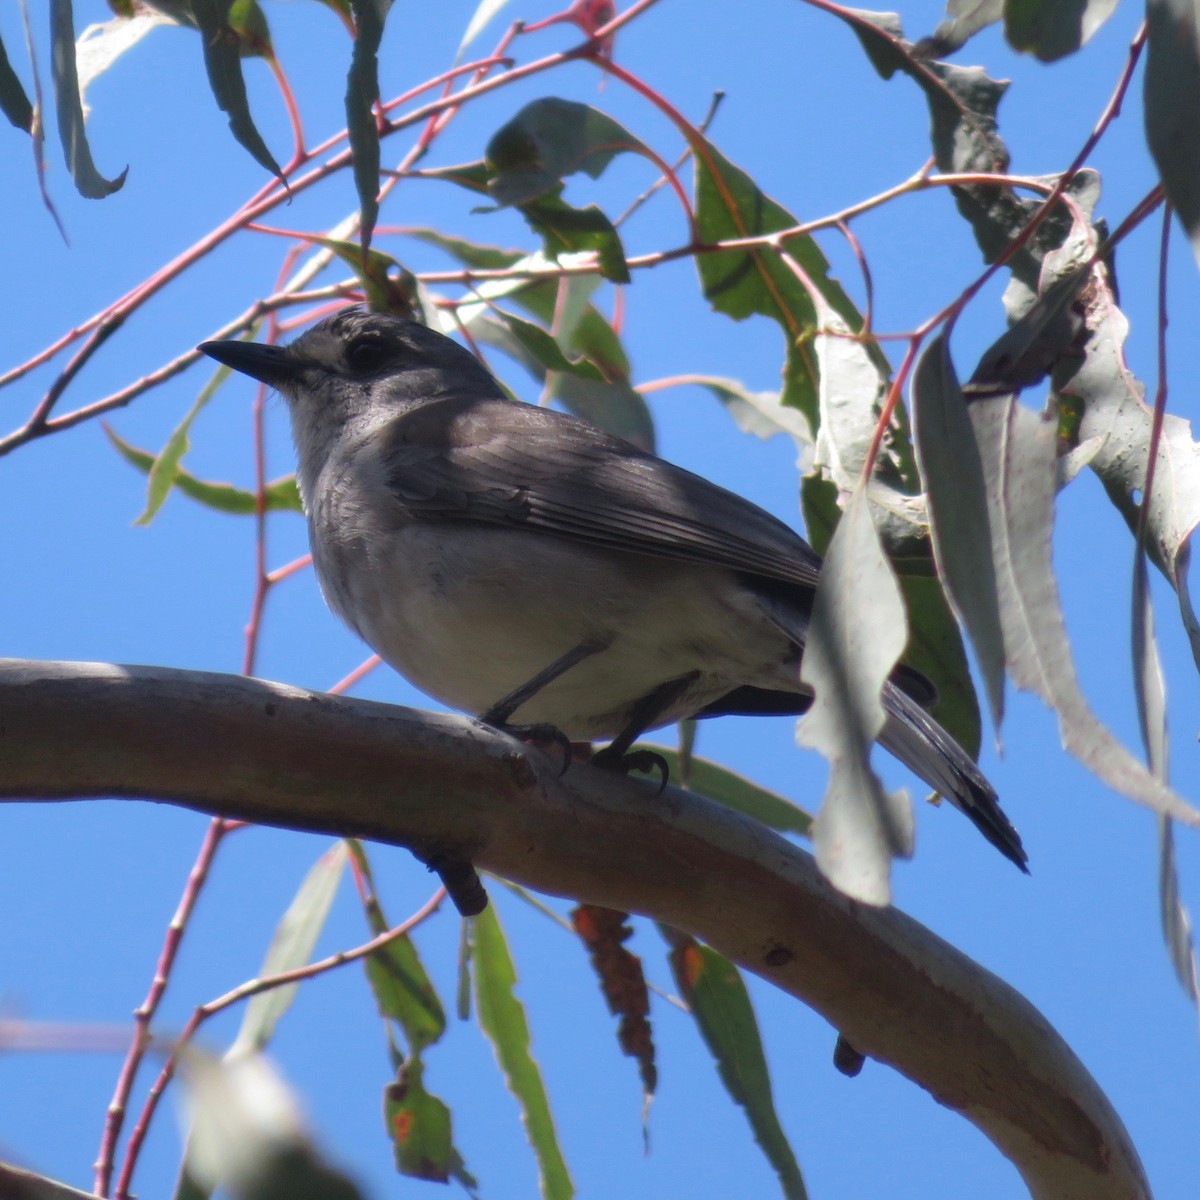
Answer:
(647, 710)
(497, 715)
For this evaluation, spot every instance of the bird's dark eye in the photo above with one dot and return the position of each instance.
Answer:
(365, 354)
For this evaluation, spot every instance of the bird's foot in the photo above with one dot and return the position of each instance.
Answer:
(542, 735)
(646, 761)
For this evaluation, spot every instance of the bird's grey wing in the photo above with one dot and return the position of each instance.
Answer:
(512, 464)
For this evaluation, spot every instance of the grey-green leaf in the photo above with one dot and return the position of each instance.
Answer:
(291, 947)
(958, 511)
(1172, 105)
(856, 636)
(71, 131)
(223, 61)
(1018, 451)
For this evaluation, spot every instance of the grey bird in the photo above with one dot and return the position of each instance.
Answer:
(522, 565)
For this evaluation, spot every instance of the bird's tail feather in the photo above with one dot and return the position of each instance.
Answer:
(919, 742)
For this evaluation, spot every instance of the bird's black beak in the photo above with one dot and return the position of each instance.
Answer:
(268, 364)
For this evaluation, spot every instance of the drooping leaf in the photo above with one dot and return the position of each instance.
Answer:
(719, 1003)
(223, 62)
(13, 102)
(1018, 451)
(419, 1125)
(280, 496)
(1052, 29)
(1114, 424)
(502, 1019)
(291, 947)
(958, 511)
(1152, 717)
(402, 987)
(623, 982)
(1172, 105)
(737, 792)
(856, 635)
(90, 183)
(362, 94)
(1176, 923)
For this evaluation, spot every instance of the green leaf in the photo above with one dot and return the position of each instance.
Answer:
(1052, 29)
(362, 93)
(543, 347)
(165, 470)
(564, 229)
(473, 176)
(1172, 106)
(419, 1125)
(548, 140)
(223, 61)
(719, 1003)
(502, 1019)
(472, 254)
(91, 184)
(247, 19)
(291, 948)
(388, 286)
(530, 156)
(13, 102)
(737, 792)
(740, 283)
(402, 988)
(280, 496)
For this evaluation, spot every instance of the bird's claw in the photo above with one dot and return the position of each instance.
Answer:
(542, 735)
(645, 761)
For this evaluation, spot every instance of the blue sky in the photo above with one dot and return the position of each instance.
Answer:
(86, 889)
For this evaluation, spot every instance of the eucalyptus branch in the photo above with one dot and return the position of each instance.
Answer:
(428, 782)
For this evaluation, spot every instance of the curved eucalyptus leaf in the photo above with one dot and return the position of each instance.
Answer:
(14, 104)
(1172, 106)
(855, 638)
(90, 183)
(223, 61)
(362, 94)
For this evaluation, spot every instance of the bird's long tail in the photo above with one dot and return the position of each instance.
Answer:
(919, 742)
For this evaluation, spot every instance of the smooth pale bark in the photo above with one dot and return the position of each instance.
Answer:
(281, 756)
